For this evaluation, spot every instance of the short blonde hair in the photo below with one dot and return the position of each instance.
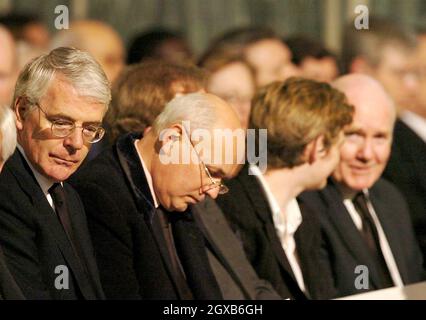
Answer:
(296, 112)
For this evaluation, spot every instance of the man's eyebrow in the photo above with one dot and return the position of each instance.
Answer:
(66, 117)
(353, 130)
(60, 115)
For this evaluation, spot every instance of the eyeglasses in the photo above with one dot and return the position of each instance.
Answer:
(222, 188)
(62, 128)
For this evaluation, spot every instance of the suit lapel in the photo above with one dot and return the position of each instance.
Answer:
(190, 245)
(412, 146)
(347, 230)
(381, 208)
(135, 176)
(304, 238)
(49, 218)
(216, 230)
(258, 200)
(82, 235)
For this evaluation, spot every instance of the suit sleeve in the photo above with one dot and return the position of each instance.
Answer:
(19, 241)
(112, 241)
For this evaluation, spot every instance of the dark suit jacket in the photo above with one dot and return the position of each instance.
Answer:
(34, 241)
(130, 246)
(9, 290)
(344, 247)
(234, 273)
(407, 170)
(249, 214)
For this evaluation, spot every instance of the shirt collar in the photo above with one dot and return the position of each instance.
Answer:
(147, 175)
(348, 193)
(44, 182)
(293, 217)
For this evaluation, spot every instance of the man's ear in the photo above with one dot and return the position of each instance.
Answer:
(314, 150)
(169, 136)
(20, 108)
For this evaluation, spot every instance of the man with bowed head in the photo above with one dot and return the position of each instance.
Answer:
(148, 244)
(59, 102)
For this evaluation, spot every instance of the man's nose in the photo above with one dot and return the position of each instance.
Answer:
(213, 193)
(75, 139)
(366, 151)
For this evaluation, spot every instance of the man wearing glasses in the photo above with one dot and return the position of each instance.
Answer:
(59, 102)
(137, 197)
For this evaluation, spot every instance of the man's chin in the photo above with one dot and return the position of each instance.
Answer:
(177, 208)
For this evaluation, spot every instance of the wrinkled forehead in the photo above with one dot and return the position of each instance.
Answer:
(376, 115)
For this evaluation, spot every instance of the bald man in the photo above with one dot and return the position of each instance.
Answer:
(8, 66)
(137, 198)
(97, 38)
(368, 237)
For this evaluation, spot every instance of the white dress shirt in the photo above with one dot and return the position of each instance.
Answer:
(44, 183)
(384, 244)
(286, 223)
(147, 175)
(415, 123)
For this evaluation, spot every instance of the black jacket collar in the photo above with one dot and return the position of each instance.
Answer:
(135, 175)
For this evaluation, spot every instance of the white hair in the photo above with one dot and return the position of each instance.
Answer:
(7, 133)
(196, 109)
(76, 66)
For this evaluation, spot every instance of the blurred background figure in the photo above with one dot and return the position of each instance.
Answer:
(142, 90)
(419, 108)
(314, 60)
(385, 52)
(263, 49)
(8, 66)
(31, 35)
(407, 165)
(161, 44)
(231, 78)
(28, 28)
(97, 38)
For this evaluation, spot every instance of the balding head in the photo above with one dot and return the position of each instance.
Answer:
(202, 110)
(8, 69)
(196, 142)
(365, 92)
(366, 150)
(97, 38)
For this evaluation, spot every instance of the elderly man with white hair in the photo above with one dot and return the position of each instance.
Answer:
(369, 238)
(138, 199)
(59, 102)
(8, 287)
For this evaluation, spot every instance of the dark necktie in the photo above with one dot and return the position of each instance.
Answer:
(371, 237)
(180, 279)
(59, 199)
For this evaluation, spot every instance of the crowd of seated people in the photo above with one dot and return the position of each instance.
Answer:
(265, 168)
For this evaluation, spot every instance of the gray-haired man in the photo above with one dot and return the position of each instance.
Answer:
(59, 102)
